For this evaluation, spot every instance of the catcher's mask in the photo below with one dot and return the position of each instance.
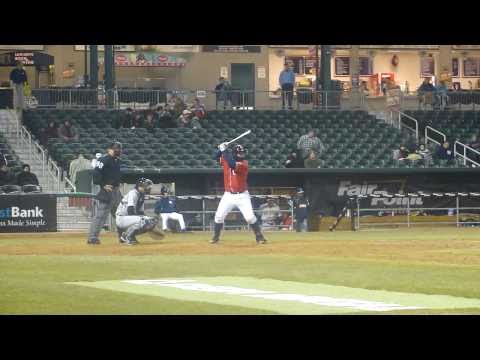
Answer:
(239, 152)
(146, 184)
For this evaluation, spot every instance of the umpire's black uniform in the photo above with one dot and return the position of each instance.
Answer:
(107, 175)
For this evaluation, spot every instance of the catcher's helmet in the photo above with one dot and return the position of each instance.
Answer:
(145, 183)
(239, 152)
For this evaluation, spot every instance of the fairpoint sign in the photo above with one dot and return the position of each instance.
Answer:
(28, 213)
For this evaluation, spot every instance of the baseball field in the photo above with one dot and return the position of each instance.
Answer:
(416, 271)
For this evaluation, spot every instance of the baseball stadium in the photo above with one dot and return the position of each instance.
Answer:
(239, 179)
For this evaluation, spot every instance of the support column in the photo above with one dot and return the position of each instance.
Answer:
(355, 75)
(444, 68)
(325, 75)
(94, 66)
(109, 74)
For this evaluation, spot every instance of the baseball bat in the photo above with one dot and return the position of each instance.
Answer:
(239, 137)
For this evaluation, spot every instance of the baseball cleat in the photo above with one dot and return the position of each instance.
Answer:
(123, 239)
(93, 242)
(215, 240)
(132, 242)
(260, 239)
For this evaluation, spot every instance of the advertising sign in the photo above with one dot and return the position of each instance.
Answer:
(232, 48)
(146, 59)
(28, 213)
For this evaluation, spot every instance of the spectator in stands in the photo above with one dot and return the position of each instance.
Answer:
(126, 120)
(445, 152)
(312, 162)
(188, 120)
(425, 154)
(67, 132)
(223, 93)
(6, 177)
(165, 119)
(287, 83)
(76, 165)
(18, 78)
(271, 215)
(425, 92)
(441, 97)
(50, 132)
(309, 142)
(403, 152)
(137, 121)
(198, 109)
(176, 105)
(150, 122)
(26, 177)
(294, 160)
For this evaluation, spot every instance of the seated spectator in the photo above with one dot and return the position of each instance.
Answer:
(271, 215)
(125, 120)
(424, 153)
(309, 142)
(294, 161)
(48, 133)
(403, 152)
(198, 109)
(150, 122)
(26, 177)
(312, 162)
(176, 105)
(165, 119)
(67, 132)
(166, 207)
(6, 176)
(137, 121)
(445, 152)
(187, 120)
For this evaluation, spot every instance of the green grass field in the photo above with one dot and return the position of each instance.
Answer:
(419, 271)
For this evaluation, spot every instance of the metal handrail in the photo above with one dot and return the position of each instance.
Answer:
(433, 140)
(408, 127)
(464, 156)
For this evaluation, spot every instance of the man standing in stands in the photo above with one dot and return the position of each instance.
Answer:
(287, 83)
(107, 175)
(309, 142)
(26, 177)
(18, 78)
(6, 177)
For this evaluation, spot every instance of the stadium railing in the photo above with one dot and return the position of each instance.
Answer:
(416, 209)
(463, 153)
(401, 120)
(136, 98)
(429, 138)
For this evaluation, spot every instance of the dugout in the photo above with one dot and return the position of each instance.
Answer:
(327, 189)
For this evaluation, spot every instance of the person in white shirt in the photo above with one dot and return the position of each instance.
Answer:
(95, 159)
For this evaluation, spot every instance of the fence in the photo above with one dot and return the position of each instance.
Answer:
(416, 209)
(301, 98)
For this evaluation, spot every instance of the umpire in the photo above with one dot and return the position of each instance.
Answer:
(107, 175)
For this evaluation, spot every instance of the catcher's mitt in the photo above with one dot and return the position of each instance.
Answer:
(156, 233)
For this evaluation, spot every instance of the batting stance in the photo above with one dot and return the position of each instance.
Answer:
(235, 173)
(130, 215)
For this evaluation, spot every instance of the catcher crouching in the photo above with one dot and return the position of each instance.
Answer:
(130, 216)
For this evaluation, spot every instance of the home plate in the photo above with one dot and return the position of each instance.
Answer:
(283, 297)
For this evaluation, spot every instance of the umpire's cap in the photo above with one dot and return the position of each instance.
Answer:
(300, 190)
(115, 144)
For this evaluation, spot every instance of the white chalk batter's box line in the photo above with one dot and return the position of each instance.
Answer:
(193, 285)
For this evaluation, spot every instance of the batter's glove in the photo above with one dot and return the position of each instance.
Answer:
(223, 146)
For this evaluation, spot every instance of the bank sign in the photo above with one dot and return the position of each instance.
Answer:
(28, 213)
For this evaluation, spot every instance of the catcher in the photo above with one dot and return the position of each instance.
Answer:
(130, 216)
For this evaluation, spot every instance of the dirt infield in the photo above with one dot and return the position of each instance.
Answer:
(445, 246)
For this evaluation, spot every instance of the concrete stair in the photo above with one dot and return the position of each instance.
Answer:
(68, 217)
